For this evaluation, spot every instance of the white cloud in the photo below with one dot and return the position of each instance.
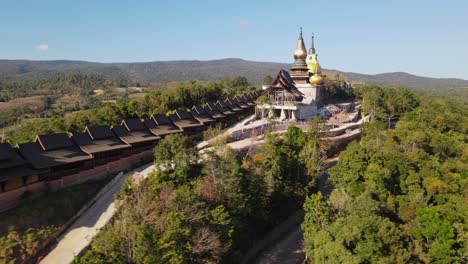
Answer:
(244, 22)
(43, 47)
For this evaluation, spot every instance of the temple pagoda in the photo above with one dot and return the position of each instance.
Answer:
(295, 95)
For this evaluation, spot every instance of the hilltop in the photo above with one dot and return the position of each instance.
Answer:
(183, 70)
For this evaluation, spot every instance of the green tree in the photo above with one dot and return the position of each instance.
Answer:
(109, 115)
(267, 80)
(436, 233)
(175, 158)
(175, 242)
(313, 160)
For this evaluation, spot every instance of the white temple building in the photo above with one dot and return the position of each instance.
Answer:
(295, 95)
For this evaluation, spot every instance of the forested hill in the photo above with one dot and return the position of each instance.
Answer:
(162, 71)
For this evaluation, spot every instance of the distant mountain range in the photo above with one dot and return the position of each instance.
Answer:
(165, 71)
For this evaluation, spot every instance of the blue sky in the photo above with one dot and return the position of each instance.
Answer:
(424, 37)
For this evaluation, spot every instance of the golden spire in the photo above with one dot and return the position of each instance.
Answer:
(300, 53)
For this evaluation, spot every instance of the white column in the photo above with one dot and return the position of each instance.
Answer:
(283, 114)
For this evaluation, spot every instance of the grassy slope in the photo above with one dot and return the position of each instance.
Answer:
(24, 227)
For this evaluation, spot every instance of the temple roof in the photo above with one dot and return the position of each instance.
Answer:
(283, 81)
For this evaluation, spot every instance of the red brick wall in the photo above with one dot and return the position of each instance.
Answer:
(12, 198)
(70, 180)
(56, 184)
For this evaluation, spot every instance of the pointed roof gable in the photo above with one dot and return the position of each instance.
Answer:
(92, 145)
(182, 119)
(200, 114)
(223, 108)
(132, 137)
(165, 126)
(228, 102)
(214, 113)
(100, 132)
(283, 81)
(52, 150)
(12, 165)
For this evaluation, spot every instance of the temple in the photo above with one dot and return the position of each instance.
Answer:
(295, 95)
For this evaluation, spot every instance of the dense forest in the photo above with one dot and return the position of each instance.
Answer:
(400, 193)
(210, 211)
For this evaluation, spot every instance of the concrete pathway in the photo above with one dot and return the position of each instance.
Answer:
(79, 235)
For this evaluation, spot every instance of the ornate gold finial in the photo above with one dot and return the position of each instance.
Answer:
(300, 53)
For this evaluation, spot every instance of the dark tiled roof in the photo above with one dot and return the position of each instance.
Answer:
(54, 141)
(90, 146)
(216, 114)
(43, 159)
(199, 109)
(163, 129)
(201, 115)
(162, 119)
(231, 104)
(248, 96)
(183, 114)
(135, 136)
(224, 108)
(9, 157)
(133, 124)
(247, 99)
(240, 102)
(12, 165)
(184, 122)
(99, 132)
